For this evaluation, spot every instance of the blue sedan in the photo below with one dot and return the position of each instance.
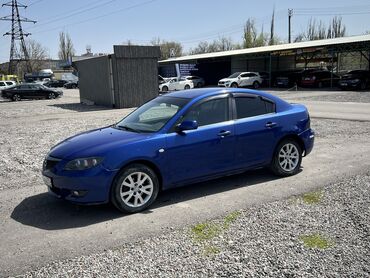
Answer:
(177, 139)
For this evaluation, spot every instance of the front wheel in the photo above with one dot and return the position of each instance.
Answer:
(234, 85)
(256, 85)
(51, 96)
(287, 158)
(135, 189)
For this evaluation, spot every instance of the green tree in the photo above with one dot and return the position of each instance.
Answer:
(250, 34)
(166, 47)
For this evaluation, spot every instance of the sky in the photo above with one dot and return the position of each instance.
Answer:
(104, 23)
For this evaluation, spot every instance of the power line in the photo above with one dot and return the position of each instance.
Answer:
(63, 17)
(35, 2)
(97, 17)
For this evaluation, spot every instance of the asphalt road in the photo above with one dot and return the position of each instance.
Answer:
(36, 228)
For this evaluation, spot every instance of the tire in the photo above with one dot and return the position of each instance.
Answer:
(187, 87)
(287, 158)
(127, 188)
(164, 89)
(16, 97)
(234, 85)
(320, 85)
(199, 85)
(256, 84)
(73, 86)
(51, 96)
(363, 85)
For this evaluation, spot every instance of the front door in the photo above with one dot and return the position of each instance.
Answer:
(206, 151)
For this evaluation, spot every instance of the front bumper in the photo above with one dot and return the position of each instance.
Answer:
(90, 186)
(308, 138)
(349, 84)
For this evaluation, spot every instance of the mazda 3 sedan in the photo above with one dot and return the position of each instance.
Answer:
(177, 139)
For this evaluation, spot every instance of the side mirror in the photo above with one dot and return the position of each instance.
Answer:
(187, 125)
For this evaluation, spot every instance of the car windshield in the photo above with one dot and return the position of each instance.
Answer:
(234, 75)
(153, 115)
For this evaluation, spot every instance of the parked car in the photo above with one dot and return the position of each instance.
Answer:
(7, 84)
(71, 85)
(55, 83)
(355, 79)
(265, 78)
(182, 83)
(320, 79)
(177, 139)
(291, 78)
(242, 79)
(160, 80)
(30, 91)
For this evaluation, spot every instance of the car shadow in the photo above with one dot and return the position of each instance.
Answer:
(79, 107)
(48, 213)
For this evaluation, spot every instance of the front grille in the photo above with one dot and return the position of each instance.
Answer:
(50, 162)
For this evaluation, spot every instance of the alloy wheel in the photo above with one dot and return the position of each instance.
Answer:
(136, 189)
(288, 157)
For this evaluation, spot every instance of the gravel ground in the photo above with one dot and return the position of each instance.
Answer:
(350, 96)
(264, 241)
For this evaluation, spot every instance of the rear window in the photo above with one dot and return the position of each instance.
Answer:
(249, 107)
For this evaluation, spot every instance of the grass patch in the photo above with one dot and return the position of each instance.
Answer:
(230, 218)
(316, 241)
(205, 231)
(210, 250)
(312, 197)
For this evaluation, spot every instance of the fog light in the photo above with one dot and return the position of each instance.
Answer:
(78, 193)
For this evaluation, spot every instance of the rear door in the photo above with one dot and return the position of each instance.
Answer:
(256, 127)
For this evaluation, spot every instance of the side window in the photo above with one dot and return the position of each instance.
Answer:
(9, 83)
(250, 106)
(209, 112)
(244, 75)
(2, 84)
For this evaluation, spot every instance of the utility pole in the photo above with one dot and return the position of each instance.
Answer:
(290, 14)
(17, 34)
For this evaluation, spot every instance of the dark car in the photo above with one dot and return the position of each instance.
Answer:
(320, 79)
(177, 139)
(265, 78)
(355, 79)
(55, 83)
(290, 78)
(71, 85)
(30, 91)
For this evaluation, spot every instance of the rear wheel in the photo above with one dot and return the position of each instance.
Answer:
(287, 158)
(320, 85)
(363, 85)
(16, 97)
(256, 85)
(199, 85)
(164, 89)
(135, 189)
(187, 87)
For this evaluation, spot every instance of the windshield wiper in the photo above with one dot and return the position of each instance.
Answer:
(127, 128)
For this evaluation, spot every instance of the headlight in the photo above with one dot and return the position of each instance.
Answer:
(83, 163)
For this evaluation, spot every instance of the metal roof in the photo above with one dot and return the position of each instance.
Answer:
(273, 48)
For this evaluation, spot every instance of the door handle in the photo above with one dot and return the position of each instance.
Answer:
(224, 133)
(270, 125)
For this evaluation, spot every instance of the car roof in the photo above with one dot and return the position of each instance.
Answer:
(207, 92)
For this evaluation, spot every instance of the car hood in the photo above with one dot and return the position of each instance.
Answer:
(227, 79)
(94, 143)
